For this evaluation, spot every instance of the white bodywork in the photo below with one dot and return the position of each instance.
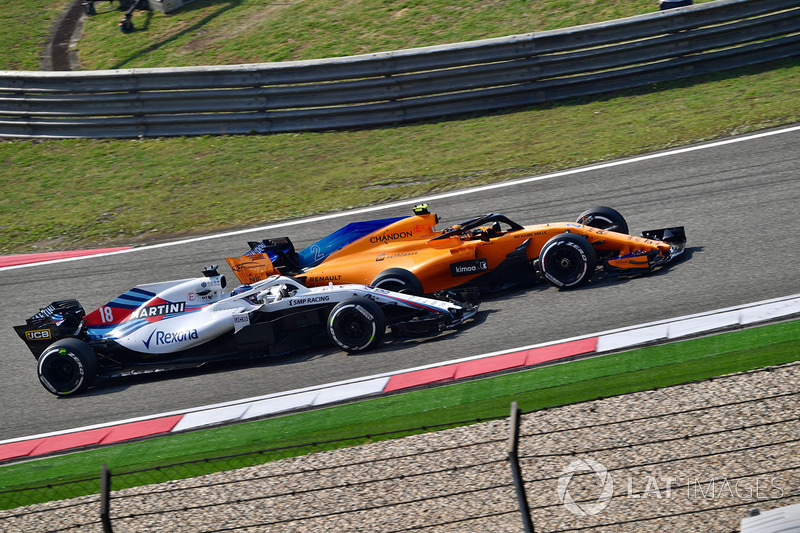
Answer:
(187, 313)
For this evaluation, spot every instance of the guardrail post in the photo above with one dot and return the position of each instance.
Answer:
(105, 496)
(513, 459)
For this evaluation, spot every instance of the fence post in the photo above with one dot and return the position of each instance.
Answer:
(105, 496)
(513, 459)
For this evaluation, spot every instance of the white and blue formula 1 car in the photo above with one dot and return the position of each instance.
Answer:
(186, 323)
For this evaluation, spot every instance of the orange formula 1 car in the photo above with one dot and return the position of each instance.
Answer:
(489, 251)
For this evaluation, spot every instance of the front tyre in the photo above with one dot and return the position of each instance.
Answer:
(567, 260)
(604, 217)
(398, 280)
(67, 367)
(356, 325)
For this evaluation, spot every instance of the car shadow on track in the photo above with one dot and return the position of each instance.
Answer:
(394, 344)
(602, 279)
(104, 386)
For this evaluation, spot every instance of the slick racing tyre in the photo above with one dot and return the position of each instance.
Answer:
(567, 260)
(398, 280)
(356, 324)
(66, 367)
(604, 218)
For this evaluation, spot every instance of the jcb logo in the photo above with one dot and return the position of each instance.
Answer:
(38, 335)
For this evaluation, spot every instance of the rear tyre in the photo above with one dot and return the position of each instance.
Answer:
(67, 367)
(356, 325)
(398, 280)
(604, 218)
(567, 260)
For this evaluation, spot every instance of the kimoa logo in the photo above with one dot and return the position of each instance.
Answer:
(475, 267)
(165, 337)
(585, 465)
(465, 268)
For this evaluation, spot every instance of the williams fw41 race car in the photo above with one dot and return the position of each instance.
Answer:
(408, 254)
(186, 323)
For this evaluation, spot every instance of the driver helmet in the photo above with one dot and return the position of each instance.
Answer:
(240, 289)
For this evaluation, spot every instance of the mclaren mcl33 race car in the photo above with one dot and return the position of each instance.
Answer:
(409, 255)
(186, 323)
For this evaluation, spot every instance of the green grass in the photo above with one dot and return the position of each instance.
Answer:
(214, 32)
(31, 21)
(83, 193)
(396, 415)
(208, 32)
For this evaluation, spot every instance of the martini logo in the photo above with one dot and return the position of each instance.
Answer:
(160, 309)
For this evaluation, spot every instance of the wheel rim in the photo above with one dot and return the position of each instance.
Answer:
(354, 328)
(61, 372)
(394, 285)
(565, 263)
(599, 221)
(604, 218)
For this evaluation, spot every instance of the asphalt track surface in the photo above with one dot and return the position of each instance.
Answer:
(739, 203)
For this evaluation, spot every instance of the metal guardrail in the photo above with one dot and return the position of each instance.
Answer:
(400, 86)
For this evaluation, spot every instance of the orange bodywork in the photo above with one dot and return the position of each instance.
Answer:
(441, 262)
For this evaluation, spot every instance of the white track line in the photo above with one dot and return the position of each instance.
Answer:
(427, 199)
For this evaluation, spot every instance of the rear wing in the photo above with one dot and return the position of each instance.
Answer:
(251, 268)
(278, 256)
(265, 258)
(58, 320)
(280, 252)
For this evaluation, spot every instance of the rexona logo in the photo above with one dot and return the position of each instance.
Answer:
(159, 310)
(387, 237)
(467, 268)
(166, 337)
